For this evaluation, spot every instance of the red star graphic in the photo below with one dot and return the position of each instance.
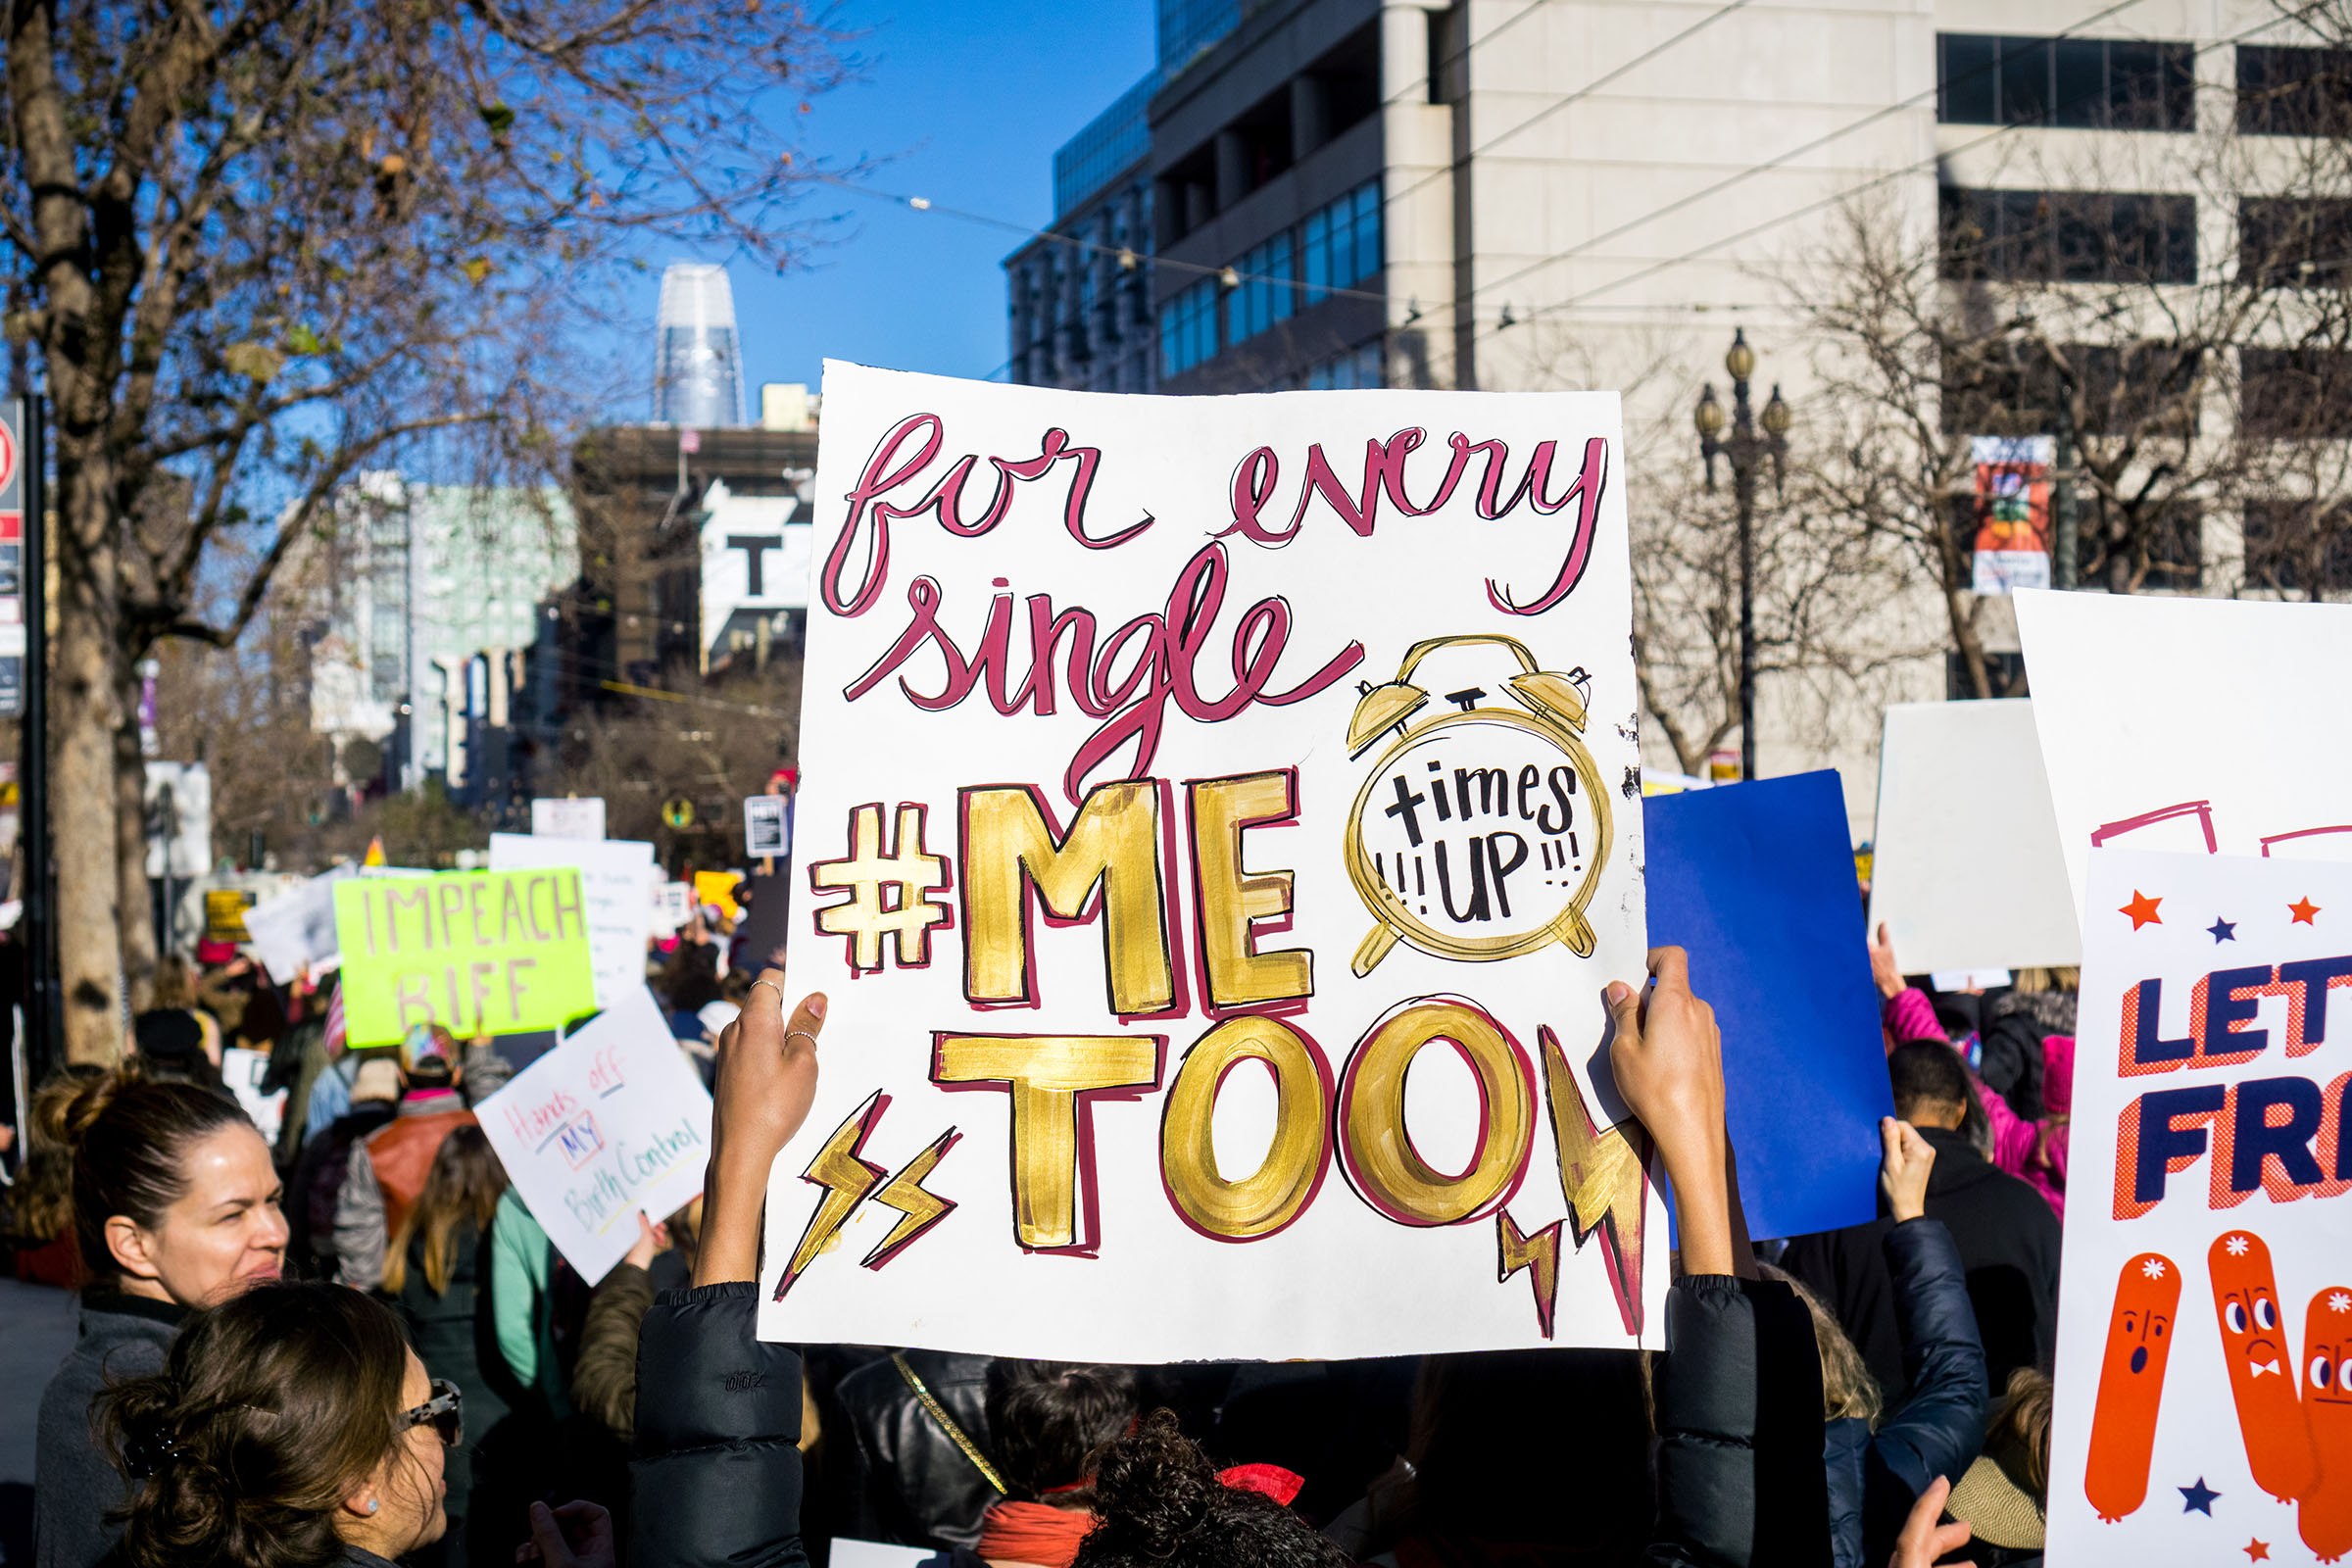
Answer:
(2257, 1551)
(2303, 911)
(2142, 909)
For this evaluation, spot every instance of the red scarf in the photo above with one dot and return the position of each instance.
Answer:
(1032, 1532)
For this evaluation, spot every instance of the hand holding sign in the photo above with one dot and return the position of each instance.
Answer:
(767, 1079)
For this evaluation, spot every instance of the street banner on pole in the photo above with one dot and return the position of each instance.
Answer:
(2205, 1308)
(477, 952)
(1181, 772)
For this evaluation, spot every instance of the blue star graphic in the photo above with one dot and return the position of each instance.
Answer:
(2197, 1498)
(2223, 930)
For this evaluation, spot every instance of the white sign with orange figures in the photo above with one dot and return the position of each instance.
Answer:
(2206, 1309)
(1182, 771)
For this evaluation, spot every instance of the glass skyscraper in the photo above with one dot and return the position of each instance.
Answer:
(698, 370)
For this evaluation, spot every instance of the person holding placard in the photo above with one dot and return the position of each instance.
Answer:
(1737, 1403)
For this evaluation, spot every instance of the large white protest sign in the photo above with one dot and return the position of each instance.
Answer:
(298, 928)
(616, 888)
(1181, 771)
(609, 1124)
(1966, 869)
(2206, 1301)
(2121, 680)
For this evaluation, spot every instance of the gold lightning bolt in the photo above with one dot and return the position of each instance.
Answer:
(918, 1209)
(1538, 1254)
(846, 1179)
(1602, 1176)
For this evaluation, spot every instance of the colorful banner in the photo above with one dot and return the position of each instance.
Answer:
(477, 952)
(2012, 539)
(610, 1124)
(1182, 771)
(2206, 1307)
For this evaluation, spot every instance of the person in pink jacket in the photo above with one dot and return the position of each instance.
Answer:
(2033, 1150)
(2036, 1150)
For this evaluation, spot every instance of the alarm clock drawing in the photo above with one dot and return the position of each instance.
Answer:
(1481, 831)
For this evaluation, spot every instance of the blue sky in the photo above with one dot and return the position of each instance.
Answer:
(959, 101)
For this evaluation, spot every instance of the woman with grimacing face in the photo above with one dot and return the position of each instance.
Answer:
(175, 1207)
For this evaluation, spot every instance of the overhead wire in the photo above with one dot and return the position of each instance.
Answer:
(1834, 199)
(1129, 256)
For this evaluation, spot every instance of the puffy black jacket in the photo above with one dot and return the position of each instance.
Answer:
(718, 1470)
(2008, 1241)
(1738, 1422)
(1739, 1432)
(1875, 1477)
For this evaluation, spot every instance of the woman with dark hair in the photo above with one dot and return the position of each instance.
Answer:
(1045, 1420)
(175, 1207)
(1161, 1502)
(291, 1427)
(434, 1273)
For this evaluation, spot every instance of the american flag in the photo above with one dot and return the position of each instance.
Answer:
(334, 1021)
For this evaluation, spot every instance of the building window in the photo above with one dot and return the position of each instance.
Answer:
(2083, 84)
(2015, 389)
(2298, 546)
(1357, 367)
(2048, 236)
(2293, 92)
(1265, 295)
(1342, 242)
(2176, 548)
(2294, 394)
(1188, 328)
(2289, 242)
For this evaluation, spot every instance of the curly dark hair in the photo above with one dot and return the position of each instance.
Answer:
(1158, 1504)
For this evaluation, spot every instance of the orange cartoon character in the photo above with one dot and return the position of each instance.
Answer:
(2262, 1370)
(2324, 1520)
(2123, 1426)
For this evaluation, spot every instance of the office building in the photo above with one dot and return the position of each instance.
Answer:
(697, 366)
(1498, 195)
(424, 604)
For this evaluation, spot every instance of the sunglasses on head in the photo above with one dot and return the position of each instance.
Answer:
(444, 1410)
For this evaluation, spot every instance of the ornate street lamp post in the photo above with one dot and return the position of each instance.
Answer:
(1745, 450)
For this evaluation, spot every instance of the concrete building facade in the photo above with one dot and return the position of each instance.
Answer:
(1533, 194)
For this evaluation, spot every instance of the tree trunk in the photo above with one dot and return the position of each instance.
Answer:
(83, 700)
(138, 939)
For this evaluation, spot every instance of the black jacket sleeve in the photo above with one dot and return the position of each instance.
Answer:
(1739, 1414)
(718, 1466)
(1941, 1426)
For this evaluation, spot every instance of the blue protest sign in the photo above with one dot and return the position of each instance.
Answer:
(1756, 882)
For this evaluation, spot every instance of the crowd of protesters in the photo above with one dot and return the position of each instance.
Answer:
(357, 1344)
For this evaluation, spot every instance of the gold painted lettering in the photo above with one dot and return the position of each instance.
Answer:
(1053, 1153)
(1113, 844)
(1286, 1181)
(1378, 1149)
(1229, 899)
